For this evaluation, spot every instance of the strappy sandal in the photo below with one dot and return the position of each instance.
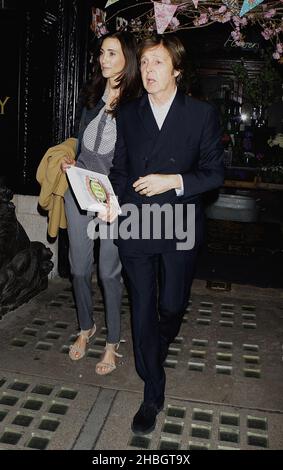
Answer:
(103, 367)
(77, 352)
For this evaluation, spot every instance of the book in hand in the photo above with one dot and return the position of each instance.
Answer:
(93, 190)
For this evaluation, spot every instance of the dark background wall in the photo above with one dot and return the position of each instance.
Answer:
(9, 79)
(44, 56)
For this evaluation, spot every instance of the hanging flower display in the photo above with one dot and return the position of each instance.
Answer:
(173, 15)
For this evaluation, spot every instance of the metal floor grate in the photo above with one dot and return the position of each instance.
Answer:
(224, 375)
(190, 426)
(40, 414)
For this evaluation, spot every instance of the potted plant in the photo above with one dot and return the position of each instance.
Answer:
(260, 90)
(273, 171)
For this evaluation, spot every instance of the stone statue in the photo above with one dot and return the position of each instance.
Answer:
(24, 265)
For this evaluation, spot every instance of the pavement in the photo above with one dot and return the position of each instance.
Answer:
(224, 376)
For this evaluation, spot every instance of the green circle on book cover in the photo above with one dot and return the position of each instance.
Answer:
(98, 191)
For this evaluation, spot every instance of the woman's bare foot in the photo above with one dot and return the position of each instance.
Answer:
(108, 360)
(78, 349)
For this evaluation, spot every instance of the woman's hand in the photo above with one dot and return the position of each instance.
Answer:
(66, 163)
(151, 185)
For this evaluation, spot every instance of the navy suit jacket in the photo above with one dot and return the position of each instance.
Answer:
(189, 143)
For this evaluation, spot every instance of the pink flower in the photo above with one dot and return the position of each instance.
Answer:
(101, 30)
(224, 18)
(236, 20)
(239, 21)
(269, 13)
(236, 34)
(267, 33)
(238, 38)
(174, 23)
(202, 19)
(276, 55)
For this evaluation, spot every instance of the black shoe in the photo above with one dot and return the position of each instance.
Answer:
(145, 419)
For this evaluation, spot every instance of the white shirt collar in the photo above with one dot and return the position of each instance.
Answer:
(160, 112)
(165, 105)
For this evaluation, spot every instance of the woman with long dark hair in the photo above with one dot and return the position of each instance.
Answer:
(115, 81)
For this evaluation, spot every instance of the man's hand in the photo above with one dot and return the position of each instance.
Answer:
(66, 163)
(109, 215)
(151, 185)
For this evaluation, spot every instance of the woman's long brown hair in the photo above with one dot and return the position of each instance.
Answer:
(129, 81)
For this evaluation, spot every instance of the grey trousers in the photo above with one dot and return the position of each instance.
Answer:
(82, 265)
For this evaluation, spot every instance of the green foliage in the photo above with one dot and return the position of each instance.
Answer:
(261, 89)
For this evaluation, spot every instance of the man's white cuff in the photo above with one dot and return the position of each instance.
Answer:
(180, 192)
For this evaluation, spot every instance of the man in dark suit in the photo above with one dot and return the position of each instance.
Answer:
(168, 153)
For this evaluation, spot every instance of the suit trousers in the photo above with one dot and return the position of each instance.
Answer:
(82, 265)
(159, 287)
